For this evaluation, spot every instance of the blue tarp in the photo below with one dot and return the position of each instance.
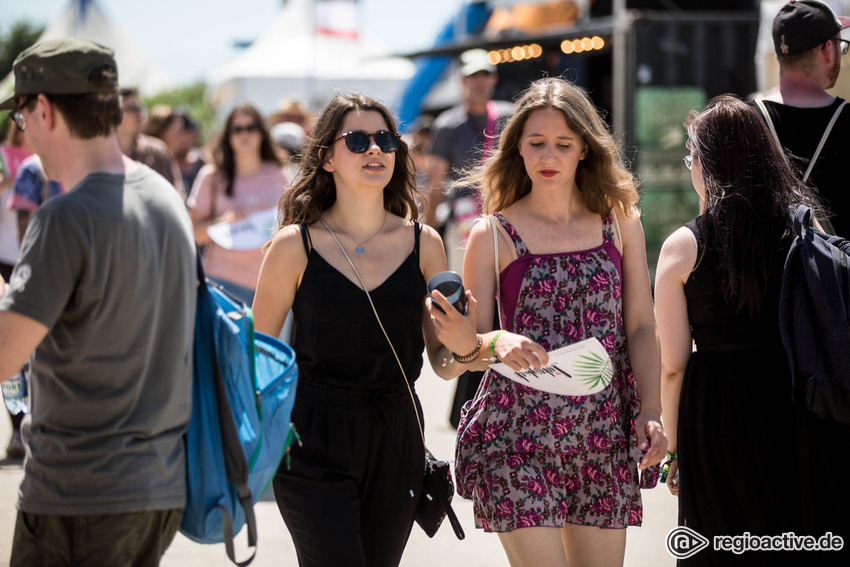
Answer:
(470, 19)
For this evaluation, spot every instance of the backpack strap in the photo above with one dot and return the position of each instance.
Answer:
(763, 109)
(823, 140)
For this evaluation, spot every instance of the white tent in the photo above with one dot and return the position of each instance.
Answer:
(292, 59)
(85, 18)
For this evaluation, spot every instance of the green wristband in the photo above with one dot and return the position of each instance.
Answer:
(493, 343)
(672, 456)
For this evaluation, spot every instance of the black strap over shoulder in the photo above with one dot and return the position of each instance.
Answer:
(417, 230)
(305, 236)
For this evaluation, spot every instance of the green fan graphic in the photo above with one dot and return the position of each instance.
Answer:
(594, 369)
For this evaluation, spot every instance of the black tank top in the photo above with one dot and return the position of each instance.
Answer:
(715, 326)
(337, 340)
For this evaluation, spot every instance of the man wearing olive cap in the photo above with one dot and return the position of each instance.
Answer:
(104, 293)
(809, 48)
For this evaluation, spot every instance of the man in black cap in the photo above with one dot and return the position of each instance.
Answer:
(104, 292)
(808, 44)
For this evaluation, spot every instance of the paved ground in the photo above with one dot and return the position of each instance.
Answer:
(645, 545)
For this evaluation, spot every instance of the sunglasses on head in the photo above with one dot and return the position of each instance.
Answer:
(245, 129)
(359, 141)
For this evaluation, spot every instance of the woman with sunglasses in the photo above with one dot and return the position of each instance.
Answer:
(349, 494)
(247, 177)
(557, 476)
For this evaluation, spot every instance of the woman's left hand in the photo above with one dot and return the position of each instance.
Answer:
(652, 441)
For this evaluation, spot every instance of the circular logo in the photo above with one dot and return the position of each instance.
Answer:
(20, 277)
(683, 542)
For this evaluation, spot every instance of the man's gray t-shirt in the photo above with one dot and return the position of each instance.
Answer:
(110, 269)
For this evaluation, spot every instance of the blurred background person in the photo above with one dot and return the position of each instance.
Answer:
(246, 176)
(289, 139)
(290, 109)
(145, 149)
(461, 138)
(14, 149)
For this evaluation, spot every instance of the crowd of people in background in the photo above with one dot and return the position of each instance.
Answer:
(531, 201)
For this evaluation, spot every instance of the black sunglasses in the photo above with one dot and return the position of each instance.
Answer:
(359, 141)
(843, 45)
(247, 129)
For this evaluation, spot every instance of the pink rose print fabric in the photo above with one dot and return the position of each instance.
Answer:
(529, 458)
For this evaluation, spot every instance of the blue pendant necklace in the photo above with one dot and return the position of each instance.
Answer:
(359, 249)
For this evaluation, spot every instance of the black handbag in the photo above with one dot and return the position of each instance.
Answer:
(435, 502)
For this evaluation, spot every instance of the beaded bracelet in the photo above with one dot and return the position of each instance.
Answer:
(472, 355)
(493, 343)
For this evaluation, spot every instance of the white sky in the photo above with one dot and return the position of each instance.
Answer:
(188, 39)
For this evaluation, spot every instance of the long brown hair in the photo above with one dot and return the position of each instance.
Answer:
(601, 177)
(313, 191)
(223, 156)
(750, 190)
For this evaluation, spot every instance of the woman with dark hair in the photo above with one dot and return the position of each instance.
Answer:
(728, 408)
(349, 494)
(247, 177)
(557, 477)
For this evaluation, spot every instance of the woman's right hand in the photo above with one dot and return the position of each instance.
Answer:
(673, 477)
(454, 330)
(519, 352)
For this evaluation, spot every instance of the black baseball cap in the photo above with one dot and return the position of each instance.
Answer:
(803, 25)
(63, 67)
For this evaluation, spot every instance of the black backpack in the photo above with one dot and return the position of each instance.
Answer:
(814, 319)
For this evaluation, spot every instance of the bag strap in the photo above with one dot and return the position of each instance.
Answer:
(763, 109)
(381, 325)
(823, 140)
(428, 455)
(493, 221)
(235, 464)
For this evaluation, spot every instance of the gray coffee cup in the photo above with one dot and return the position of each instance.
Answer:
(450, 284)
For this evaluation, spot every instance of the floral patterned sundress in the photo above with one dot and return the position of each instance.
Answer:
(529, 458)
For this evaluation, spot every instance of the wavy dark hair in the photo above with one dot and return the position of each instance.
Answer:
(313, 190)
(223, 156)
(602, 176)
(750, 191)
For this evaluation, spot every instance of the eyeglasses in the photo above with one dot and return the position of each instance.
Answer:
(250, 128)
(358, 141)
(135, 108)
(688, 161)
(843, 45)
(18, 117)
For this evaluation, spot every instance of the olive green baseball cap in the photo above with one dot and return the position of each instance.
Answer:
(63, 67)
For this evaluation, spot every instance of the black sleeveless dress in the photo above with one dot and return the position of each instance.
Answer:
(349, 494)
(743, 444)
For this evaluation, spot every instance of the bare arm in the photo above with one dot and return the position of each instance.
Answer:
(642, 340)
(460, 334)
(432, 262)
(19, 335)
(280, 276)
(677, 260)
(436, 169)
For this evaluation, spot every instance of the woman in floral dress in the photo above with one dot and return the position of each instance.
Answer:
(557, 476)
